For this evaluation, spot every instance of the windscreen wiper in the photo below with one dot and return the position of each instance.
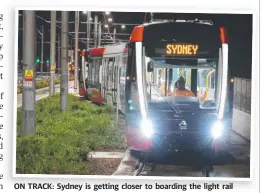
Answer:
(174, 108)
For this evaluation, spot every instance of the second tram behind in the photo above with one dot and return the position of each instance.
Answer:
(102, 75)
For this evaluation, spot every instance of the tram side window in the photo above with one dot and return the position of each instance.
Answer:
(134, 102)
(123, 70)
(90, 64)
(122, 75)
(112, 74)
(112, 61)
(97, 70)
(206, 82)
(80, 75)
(93, 72)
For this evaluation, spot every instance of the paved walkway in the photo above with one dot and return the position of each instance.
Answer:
(44, 92)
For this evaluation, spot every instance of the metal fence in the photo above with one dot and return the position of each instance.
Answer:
(242, 94)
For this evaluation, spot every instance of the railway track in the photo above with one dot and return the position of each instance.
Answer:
(237, 170)
(144, 169)
(234, 171)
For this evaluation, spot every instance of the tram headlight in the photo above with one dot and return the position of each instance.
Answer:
(217, 129)
(146, 128)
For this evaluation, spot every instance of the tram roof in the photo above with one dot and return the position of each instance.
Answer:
(138, 31)
(108, 50)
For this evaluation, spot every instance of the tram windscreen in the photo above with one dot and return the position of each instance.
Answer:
(165, 82)
(190, 50)
(181, 49)
(162, 84)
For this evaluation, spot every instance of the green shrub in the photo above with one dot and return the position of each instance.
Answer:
(63, 139)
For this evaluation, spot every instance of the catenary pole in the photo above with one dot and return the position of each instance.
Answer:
(96, 31)
(88, 29)
(29, 77)
(64, 62)
(59, 54)
(76, 50)
(52, 54)
(42, 51)
(99, 36)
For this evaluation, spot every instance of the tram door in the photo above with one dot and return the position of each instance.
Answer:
(122, 77)
(104, 79)
(101, 78)
(93, 83)
(155, 76)
(81, 76)
(115, 81)
(89, 69)
(110, 70)
(84, 72)
(162, 80)
(116, 78)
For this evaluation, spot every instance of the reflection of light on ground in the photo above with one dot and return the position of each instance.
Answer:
(239, 171)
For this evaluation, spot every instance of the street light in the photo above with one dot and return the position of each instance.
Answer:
(107, 13)
(106, 25)
(110, 19)
(123, 27)
(85, 12)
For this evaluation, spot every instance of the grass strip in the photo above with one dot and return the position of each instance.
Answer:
(63, 139)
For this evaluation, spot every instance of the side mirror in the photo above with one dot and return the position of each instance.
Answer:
(150, 66)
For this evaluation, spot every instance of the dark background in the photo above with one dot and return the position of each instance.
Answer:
(239, 27)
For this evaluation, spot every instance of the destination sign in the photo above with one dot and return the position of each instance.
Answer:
(182, 49)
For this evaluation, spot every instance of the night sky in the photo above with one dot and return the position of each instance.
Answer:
(239, 27)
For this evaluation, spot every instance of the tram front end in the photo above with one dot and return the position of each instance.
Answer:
(159, 123)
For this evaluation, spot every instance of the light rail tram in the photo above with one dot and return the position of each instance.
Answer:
(140, 79)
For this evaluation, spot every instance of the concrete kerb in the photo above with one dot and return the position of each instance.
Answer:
(246, 139)
(105, 155)
(128, 165)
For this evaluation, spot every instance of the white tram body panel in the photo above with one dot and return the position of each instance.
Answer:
(113, 80)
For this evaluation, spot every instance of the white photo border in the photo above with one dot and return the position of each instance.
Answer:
(254, 99)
